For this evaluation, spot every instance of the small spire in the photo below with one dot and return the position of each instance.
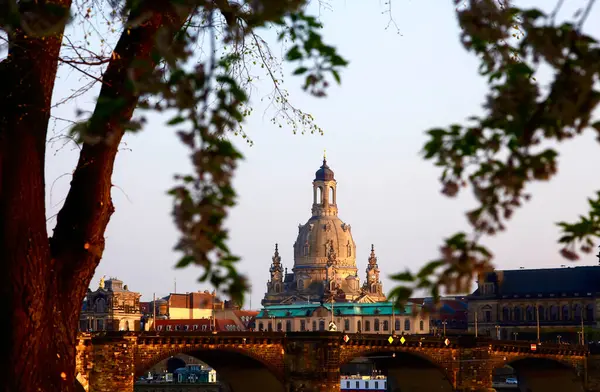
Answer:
(276, 248)
(372, 248)
(324, 155)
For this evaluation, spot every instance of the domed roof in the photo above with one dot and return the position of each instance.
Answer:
(316, 238)
(324, 173)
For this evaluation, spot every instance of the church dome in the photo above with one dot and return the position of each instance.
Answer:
(316, 237)
(324, 173)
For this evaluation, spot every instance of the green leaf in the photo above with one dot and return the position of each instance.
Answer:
(300, 70)
(176, 120)
(403, 277)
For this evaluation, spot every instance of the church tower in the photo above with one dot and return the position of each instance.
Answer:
(373, 286)
(324, 192)
(275, 284)
(324, 256)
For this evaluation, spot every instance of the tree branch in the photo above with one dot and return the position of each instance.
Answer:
(78, 239)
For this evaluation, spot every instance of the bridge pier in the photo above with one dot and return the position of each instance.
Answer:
(112, 364)
(312, 364)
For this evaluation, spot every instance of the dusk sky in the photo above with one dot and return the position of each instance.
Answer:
(396, 87)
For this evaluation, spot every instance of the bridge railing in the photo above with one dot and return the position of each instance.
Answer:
(379, 338)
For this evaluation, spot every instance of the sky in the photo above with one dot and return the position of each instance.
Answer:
(399, 84)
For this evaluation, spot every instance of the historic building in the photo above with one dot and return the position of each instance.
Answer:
(447, 317)
(563, 302)
(324, 257)
(380, 317)
(112, 307)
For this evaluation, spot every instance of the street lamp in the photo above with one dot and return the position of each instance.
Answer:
(444, 324)
(498, 332)
(558, 337)
(516, 334)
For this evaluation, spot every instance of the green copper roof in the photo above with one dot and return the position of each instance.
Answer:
(341, 309)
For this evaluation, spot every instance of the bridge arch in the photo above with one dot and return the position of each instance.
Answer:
(537, 373)
(240, 368)
(408, 367)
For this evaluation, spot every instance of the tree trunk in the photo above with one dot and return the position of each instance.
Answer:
(42, 282)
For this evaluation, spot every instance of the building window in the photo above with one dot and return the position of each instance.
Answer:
(279, 326)
(487, 315)
(565, 312)
(386, 325)
(270, 327)
(554, 313)
(541, 313)
(367, 326)
(358, 326)
(168, 327)
(195, 327)
(407, 325)
(204, 327)
(357, 385)
(421, 325)
(505, 314)
(347, 325)
(302, 325)
(288, 325)
(321, 325)
(577, 312)
(397, 325)
(260, 326)
(300, 284)
(349, 246)
(376, 384)
(306, 249)
(517, 313)
(529, 316)
(589, 312)
(366, 385)
(314, 325)
(376, 325)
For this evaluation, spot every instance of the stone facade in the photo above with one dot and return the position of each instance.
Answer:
(307, 362)
(324, 257)
(563, 301)
(112, 307)
(379, 318)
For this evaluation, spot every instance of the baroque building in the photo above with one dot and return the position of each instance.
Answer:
(558, 303)
(112, 307)
(324, 257)
(376, 318)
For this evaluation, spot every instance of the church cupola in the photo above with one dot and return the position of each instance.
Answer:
(324, 191)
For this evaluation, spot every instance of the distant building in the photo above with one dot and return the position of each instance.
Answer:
(348, 317)
(112, 307)
(198, 306)
(324, 257)
(201, 325)
(450, 314)
(509, 304)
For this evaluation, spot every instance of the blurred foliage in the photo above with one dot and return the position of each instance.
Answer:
(498, 154)
(199, 76)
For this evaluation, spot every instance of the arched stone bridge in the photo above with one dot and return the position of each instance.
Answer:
(310, 361)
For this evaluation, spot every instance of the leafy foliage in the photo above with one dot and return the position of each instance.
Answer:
(499, 153)
(211, 100)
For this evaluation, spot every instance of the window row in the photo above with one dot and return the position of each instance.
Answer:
(378, 325)
(549, 313)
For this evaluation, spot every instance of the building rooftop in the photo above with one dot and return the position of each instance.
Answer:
(568, 280)
(341, 309)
